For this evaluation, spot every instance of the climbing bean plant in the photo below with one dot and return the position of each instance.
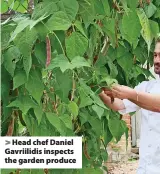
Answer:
(57, 57)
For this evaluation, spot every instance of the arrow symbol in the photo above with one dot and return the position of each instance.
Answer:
(7, 142)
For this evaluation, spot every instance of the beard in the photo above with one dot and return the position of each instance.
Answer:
(157, 68)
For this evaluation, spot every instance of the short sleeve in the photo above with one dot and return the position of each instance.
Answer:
(130, 106)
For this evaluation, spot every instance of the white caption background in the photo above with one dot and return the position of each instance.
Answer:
(6, 143)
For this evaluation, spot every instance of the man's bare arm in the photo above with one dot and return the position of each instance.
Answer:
(144, 106)
(147, 101)
(119, 105)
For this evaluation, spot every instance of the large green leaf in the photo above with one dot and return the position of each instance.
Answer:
(56, 122)
(87, 11)
(73, 108)
(24, 103)
(5, 37)
(132, 4)
(39, 113)
(35, 85)
(19, 79)
(109, 29)
(131, 19)
(31, 124)
(78, 62)
(61, 62)
(150, 10)
(58, 21)
(76, 45)
(118, 130)
(66, 119)
(98, 110)
(46, 7)
(107, 136)
(11, 57)
(106, 7)
(40, 53)
(79, 26)
(4, 6)
(154, 28)
(63, 84)
(70, 10)
(85, 100)
(126, 62)
(146, 32)
(25, 41)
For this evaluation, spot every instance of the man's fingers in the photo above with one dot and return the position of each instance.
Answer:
(116, 87)
(115, 93)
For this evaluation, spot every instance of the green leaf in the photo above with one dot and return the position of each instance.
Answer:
(131, 19)
(85, 100)
(96, 124)
(20, 27)
(157, 14)
(40, 53)
(24, 103)
(150, 10)
(76, 45)
(21, 6)
(154, 28)
(106, 7)
(5, 37)
(35, 85)
(31, 124)
(11, 57)
(39, 113)
(78, 62)
(98, 110)
(132, 4)
(66, 119)
(8, 171)
(92, 171)
(106, 132)
(109, 81)
(109, 29)
(113, 69)
(126, 62)
(25, 41)
(146, 32)
(46, 7)
(4, 6)
(79, 26)
(63, 84)
(87, 11)
(70, 10)
(73, 108)
(19, 79)
(61, 62)
(58, 21)
(118, 130)
(56, 122)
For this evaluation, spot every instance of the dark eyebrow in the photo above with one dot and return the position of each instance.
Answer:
(156, 52)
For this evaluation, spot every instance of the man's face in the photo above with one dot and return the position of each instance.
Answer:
(157, 58)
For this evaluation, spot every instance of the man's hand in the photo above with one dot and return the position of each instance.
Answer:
(123, 92)
(109, 93)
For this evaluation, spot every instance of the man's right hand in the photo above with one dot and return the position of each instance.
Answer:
(109, 93)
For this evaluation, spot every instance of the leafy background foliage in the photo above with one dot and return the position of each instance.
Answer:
(57, 56)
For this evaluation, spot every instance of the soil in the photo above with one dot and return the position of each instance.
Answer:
(128, 167)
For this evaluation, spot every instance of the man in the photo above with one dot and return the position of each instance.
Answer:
(145, 96)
